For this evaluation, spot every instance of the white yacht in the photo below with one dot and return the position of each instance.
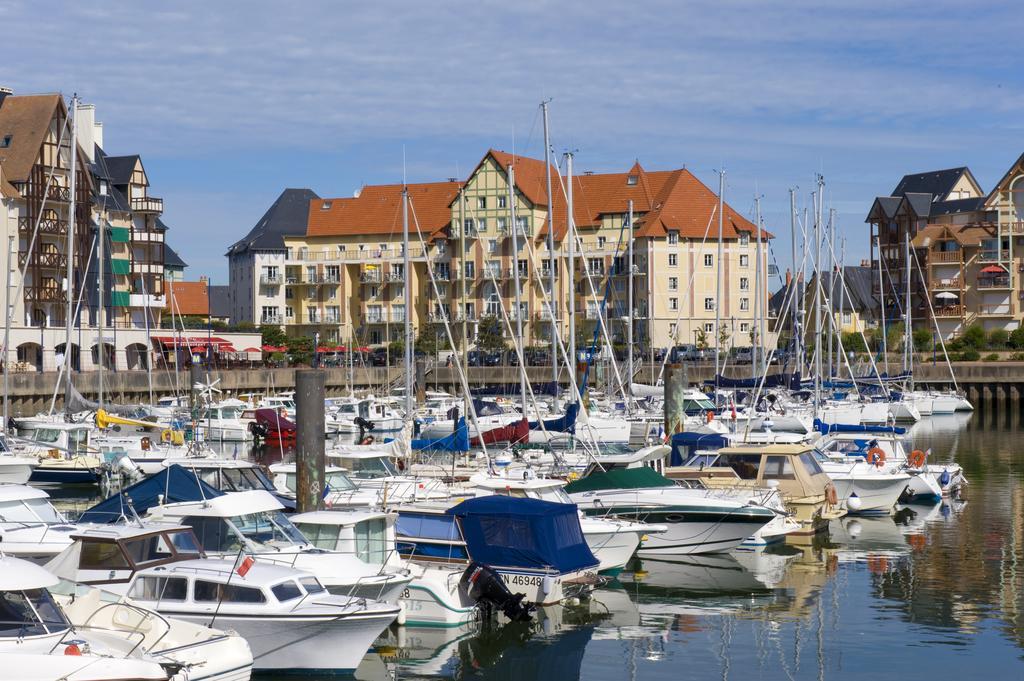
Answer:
(343, 492)
(30, 527)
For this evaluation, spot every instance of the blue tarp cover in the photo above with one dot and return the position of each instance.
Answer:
(694, 441)
(456, 442)
(826, 428)
(562, 424)
(174, 484)
(514, 532)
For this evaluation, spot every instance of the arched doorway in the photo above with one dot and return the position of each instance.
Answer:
(108, 356)
(137, 356)
(30, 356)
(76, 359)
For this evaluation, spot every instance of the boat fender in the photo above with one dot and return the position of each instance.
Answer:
(917, 458)
(853, 502)
(166, 436)
(547, 584)
(400, 620)
(945, 477)
(876, 456)
(830, 494)
(146, 444)
(710, 415)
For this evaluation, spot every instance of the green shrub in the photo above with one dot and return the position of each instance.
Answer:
(1017, 357)
(853, 342)
(998, 338)
(991, 357)
(955, 345)
(970, 355)
(1017, 338)
(922, 340)
(974, 337)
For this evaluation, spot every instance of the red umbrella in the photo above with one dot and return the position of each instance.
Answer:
(251, 350)
(993, 269)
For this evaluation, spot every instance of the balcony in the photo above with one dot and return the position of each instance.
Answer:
(465, 316)
(988, 256)
(55, 193)
(945, 284)
(47, 226)
(313, 317)
(994, 282)
(44, 294)
(998, 310)
(52, 260)
(376, 317)
(148, 204)
(471, 232)
(394, 277)
(271, 280)
(398, 316)
(591, 313)
(272, 319)
(442, 275)
(332, 319)
(370, 277)
(940, 257)
(147, 300)
(437, 317)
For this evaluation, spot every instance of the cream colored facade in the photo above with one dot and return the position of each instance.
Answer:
(350, 289)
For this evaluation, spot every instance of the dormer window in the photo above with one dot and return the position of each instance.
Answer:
(632, 180)
(326, 205)
(5, 142)
(103, 187)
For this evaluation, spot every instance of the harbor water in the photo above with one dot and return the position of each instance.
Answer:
(936, 591)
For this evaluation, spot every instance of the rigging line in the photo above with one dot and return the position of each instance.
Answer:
(67, 343)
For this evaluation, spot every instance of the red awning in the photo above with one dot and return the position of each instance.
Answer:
(192, 341)
(993, 269)
(251, 350)
(227, 348)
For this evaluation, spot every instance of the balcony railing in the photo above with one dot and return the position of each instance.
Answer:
(270, 280)
(943, 284)
(394, 276)
(988, 256)
(47, 226)
(370, 277)
(273, 319)
(994, 282)
(56, 260)
(999, 310)
(374, 317)
(945, 256)
(148, 204)
(55, 193)
(442, 275)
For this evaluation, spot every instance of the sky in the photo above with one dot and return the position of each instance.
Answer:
(230, 102)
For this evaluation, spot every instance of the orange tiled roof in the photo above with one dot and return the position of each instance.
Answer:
(186, 298)
(378, 210)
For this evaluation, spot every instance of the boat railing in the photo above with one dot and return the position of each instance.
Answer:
(144, 616)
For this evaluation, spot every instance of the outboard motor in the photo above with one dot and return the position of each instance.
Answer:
(364, 426)
(484, 586)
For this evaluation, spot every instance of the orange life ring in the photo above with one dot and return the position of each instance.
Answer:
(831, 496)
(876, 456)
(145, 444)
(710, 416)
(917, 458)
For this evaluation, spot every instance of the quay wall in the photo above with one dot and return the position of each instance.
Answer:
(30, 393)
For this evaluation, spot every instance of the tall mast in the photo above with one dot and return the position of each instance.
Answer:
(629, 312)
(100, 309)
(842, 304)
(830, 259)
(881, 304)
(408, 300)
(906, 330)
(7, 324)
(817, 291)
(795, 281)
(570, 235)
(70, 287)
(719, 283)
(757, 295)
(515, 279)
(552, 297)
(460, 276)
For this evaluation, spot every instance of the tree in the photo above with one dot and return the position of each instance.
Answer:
(974, 336)
(432, 340)
(1017, 338)
(300, 349)
(998, 338)
(723, 337)
(489, 337)
(922, 340)
(702, 339)
(853, 342)
(273, 335)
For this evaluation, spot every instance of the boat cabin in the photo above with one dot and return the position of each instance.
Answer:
(27, 610)
(369, 535)
(792, 469)
(365, 466)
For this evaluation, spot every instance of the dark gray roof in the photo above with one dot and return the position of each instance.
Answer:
(112, 200)
(121, 167)
(858, 282)
(160, 225)
(958, 206)
(220, 301)
(888, 204)
(172, 259)
(920, 203)
(937, 182)
(286, 217)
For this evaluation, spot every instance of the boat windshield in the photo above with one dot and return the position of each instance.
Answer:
(369, 467)
(553, 494)
(29, 511)
(244, 479)
(267, 527)
(30, 613)
(701, 460)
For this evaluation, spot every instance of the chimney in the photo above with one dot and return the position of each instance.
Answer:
(202, 279)
(85, 124)
(5, 92)
(865, 263)
(789, 277)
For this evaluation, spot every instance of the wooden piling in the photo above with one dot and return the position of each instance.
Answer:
(310, 440)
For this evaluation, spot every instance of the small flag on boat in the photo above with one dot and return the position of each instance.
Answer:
(244, 564)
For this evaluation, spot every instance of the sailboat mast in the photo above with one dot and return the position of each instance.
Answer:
(552, 296)
(629, 311)
(817, 292)
(570, 235)
(515, 279)
(830, 259)
(794, 281)
(408, 300)
(906, 330)
(756, 362)
(69, 284)
(719, 284)
(100, 309)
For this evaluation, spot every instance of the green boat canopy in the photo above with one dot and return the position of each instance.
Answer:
(620, 478)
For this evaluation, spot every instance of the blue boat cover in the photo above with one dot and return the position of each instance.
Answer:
(513, 532)
(826, 428)
(549, 388)
(173, 484)
(693, 441)
(563, 424)
(455, 442)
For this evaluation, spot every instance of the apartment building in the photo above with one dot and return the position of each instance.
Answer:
(256, 262)
(345, 277)
(965, 250)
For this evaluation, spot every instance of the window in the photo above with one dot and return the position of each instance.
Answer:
(779, 468)
(744, 304)
(709, 260)
(214, 534)
(29, 613)
(744, 261)
(673, 303)
(468, 224)
(147, 549)
(212, 592)
(601, 241)
(631, 180)
(371, 540)
(595, 265)
(673, 283)
(744, 327)
(312, 586)
(744, 284)
(523, 223)
(847, 318)
(5, 142)
(470, 270)
(101, 555)
(502, 202)
(672, 329)
(709, 328)
(326, 205)
(481, 224)
(744, 238)
(321, 536)
(746, 466)
(673, 237)
(286, 591)
(709, 303)
(149, 588)
(502, 224)
(673, 260)
(481, 202)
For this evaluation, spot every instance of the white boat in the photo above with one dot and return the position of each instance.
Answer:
(223, 422)
(343, 492)
(253, 520)
(613, 541)
(30, 527)
(61, 450)
(15, 469)
(868, 489)
(363, 415)
(47, 666)
(434, 597)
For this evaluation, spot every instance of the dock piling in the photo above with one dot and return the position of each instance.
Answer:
(310, 440)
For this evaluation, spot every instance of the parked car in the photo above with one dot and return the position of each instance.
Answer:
(684, 353)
